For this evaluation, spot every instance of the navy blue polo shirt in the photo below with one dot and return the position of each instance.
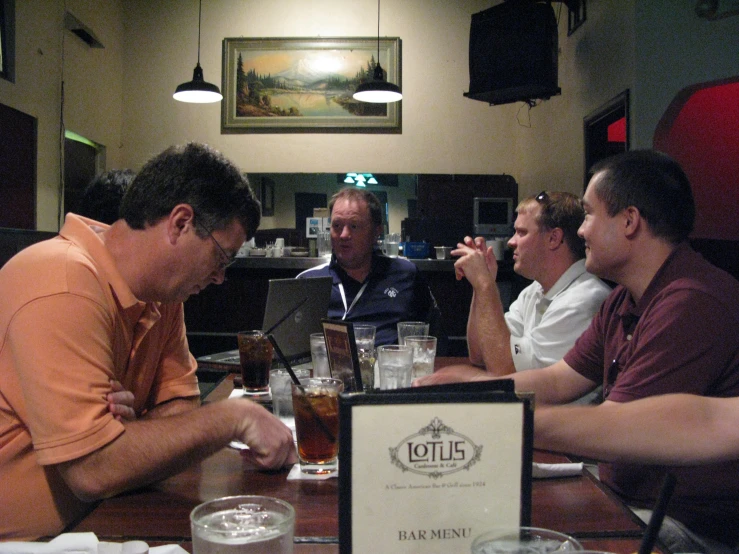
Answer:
(396, 291)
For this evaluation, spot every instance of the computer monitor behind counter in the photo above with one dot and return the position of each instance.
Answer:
(493, 217)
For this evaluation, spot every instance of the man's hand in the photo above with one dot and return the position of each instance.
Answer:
(476, 262)
(452, 374)
(270, 441)
(120, 402)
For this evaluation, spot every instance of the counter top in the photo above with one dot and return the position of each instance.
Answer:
(294, 262)
(299, 263)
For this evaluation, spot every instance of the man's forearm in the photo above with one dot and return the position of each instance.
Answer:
(491, 340)
(675, 429)
(173, 407)
(154, 448)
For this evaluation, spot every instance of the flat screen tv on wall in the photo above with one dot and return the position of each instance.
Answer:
(513, 53)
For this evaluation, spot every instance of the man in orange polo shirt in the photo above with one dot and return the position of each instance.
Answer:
(102, 304)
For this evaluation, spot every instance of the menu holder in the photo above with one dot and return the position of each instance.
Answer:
(428, 469)
(341, 349)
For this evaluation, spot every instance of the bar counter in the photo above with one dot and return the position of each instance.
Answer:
(216, 314)
(159, 514)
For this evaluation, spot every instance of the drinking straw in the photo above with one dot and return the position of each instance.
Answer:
(284, 317)
(282, 357)
(658, 514)
(319, 421)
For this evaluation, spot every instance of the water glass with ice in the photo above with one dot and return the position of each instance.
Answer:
(319, 356)
(392, 245)
(243, 525)
(424, 354)
(523, 540)
(364, 337)
(395, 363)
(280, 386)
(411, 328)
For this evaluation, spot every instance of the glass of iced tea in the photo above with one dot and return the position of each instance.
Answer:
(316, 408)
(255, 354)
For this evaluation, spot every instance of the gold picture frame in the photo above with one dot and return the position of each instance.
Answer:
(305, 85)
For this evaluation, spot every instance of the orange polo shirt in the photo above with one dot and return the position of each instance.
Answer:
(69, 324)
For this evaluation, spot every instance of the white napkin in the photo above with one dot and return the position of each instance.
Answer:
(85, 543)
(545, 471)
(297, 475)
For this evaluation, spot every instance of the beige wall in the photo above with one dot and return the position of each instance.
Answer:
(93, 79)
(122, 96)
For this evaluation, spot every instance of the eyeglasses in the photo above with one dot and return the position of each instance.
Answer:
(229, 260)
(542, 197)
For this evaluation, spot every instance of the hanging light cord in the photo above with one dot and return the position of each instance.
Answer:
(200, 17)
(378, 31)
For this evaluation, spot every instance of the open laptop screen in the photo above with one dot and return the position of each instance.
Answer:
(293, 334)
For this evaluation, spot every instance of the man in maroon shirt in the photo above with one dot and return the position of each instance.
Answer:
(671, 326)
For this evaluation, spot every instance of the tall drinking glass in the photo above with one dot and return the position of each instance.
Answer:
(316, 408)
(364, 337)
(411, 328)
(395, 363)
(255, 354)
(280, 387)
(319, 356)
(424, 354)
(243, 525)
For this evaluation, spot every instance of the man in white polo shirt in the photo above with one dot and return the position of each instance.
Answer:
(548, 316)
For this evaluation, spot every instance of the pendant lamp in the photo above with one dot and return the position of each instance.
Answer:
(378, 90)
(198, 91)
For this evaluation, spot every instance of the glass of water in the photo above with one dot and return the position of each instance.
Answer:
(364, 337)
(319, 355)
(395, 363)
(243, 525)
(411, 329)
(523, 540)
(424, 354)
(280, 385)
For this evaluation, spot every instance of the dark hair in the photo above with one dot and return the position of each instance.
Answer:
(653, 183)
(197, 175)
(351, 193)
(102, 196)
(561, 210)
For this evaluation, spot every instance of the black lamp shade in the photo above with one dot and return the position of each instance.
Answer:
(197, 91)
(378, 90)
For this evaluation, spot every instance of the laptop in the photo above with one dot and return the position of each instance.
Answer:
(308, 301)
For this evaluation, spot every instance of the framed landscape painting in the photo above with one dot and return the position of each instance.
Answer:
(305, 85)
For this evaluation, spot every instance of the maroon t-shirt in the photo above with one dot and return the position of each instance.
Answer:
(682, 337)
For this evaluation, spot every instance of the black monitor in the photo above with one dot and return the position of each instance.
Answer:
(513, 53)
(493, 216)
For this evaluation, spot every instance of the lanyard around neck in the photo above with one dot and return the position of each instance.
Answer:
(343, 297)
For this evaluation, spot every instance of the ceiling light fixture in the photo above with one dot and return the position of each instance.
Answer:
(198, 91)
(378, 90)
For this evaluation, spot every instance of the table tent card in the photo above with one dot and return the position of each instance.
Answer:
(429, 469)
(343, 360)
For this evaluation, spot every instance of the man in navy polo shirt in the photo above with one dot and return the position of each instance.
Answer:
(369, 287)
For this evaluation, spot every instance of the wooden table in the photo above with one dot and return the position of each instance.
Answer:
(159, 514)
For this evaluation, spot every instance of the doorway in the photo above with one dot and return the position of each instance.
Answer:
(606, 132)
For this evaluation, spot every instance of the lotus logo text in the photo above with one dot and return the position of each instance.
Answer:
(435, 450)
